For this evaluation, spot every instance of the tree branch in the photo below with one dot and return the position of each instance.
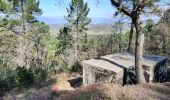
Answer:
(141, 5)
(121, 7)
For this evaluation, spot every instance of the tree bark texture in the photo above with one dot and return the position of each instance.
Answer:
(139, 52)
(130, 38)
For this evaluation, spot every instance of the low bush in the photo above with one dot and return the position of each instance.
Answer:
(24, 76)
(76, 67)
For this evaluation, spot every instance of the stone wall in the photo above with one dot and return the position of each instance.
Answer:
(119, 68)
(98, 75)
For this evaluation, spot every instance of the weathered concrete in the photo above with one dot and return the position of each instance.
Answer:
(113, 68)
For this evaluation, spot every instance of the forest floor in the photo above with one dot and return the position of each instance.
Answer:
(61, 90)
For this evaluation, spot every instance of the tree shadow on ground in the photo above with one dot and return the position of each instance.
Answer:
(23, 88)
(91, 92)
(160, 91)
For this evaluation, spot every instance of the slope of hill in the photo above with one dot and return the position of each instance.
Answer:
(159, 91)
(116, 92)
(63, 91)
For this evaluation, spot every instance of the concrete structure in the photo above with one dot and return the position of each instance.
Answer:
(116, 68)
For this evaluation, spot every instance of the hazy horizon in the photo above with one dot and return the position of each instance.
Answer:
(100, 13)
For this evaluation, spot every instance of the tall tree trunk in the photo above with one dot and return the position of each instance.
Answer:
(77, 57)
(120, 39)
(76, 43)
(120, 44)
(139, 52)
(23, 17)
(77, 34)
(97, 48)
(130, 38)
(164, 42)
(111, 49)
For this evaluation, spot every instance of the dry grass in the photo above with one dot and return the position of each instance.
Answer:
(159, 91)
(63, 91)
(116, 92)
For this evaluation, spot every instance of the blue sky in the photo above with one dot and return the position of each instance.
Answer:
(104, 9)
(53, 12)
(52, 9)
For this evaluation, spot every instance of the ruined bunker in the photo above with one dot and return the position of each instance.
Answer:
(119, 68)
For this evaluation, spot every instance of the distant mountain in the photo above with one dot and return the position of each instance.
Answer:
(102, 20)
(93, 29)
(99, 25)
(61, 21)
(52, 20)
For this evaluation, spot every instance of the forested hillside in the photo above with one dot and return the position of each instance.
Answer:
(38, 60)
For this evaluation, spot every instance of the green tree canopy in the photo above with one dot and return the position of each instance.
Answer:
(78, 20)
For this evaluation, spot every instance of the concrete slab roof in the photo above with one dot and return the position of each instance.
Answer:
(117, 62)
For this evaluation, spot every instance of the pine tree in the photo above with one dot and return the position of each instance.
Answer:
(134, 9)
(64, 40)
(29, 9)
(26, 10)
(2, 6)
(78, 20)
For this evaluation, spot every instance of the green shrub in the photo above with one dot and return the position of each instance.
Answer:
(7, 78)
(76, 67)
(63, 66)
(24, 76)
(40, 75)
